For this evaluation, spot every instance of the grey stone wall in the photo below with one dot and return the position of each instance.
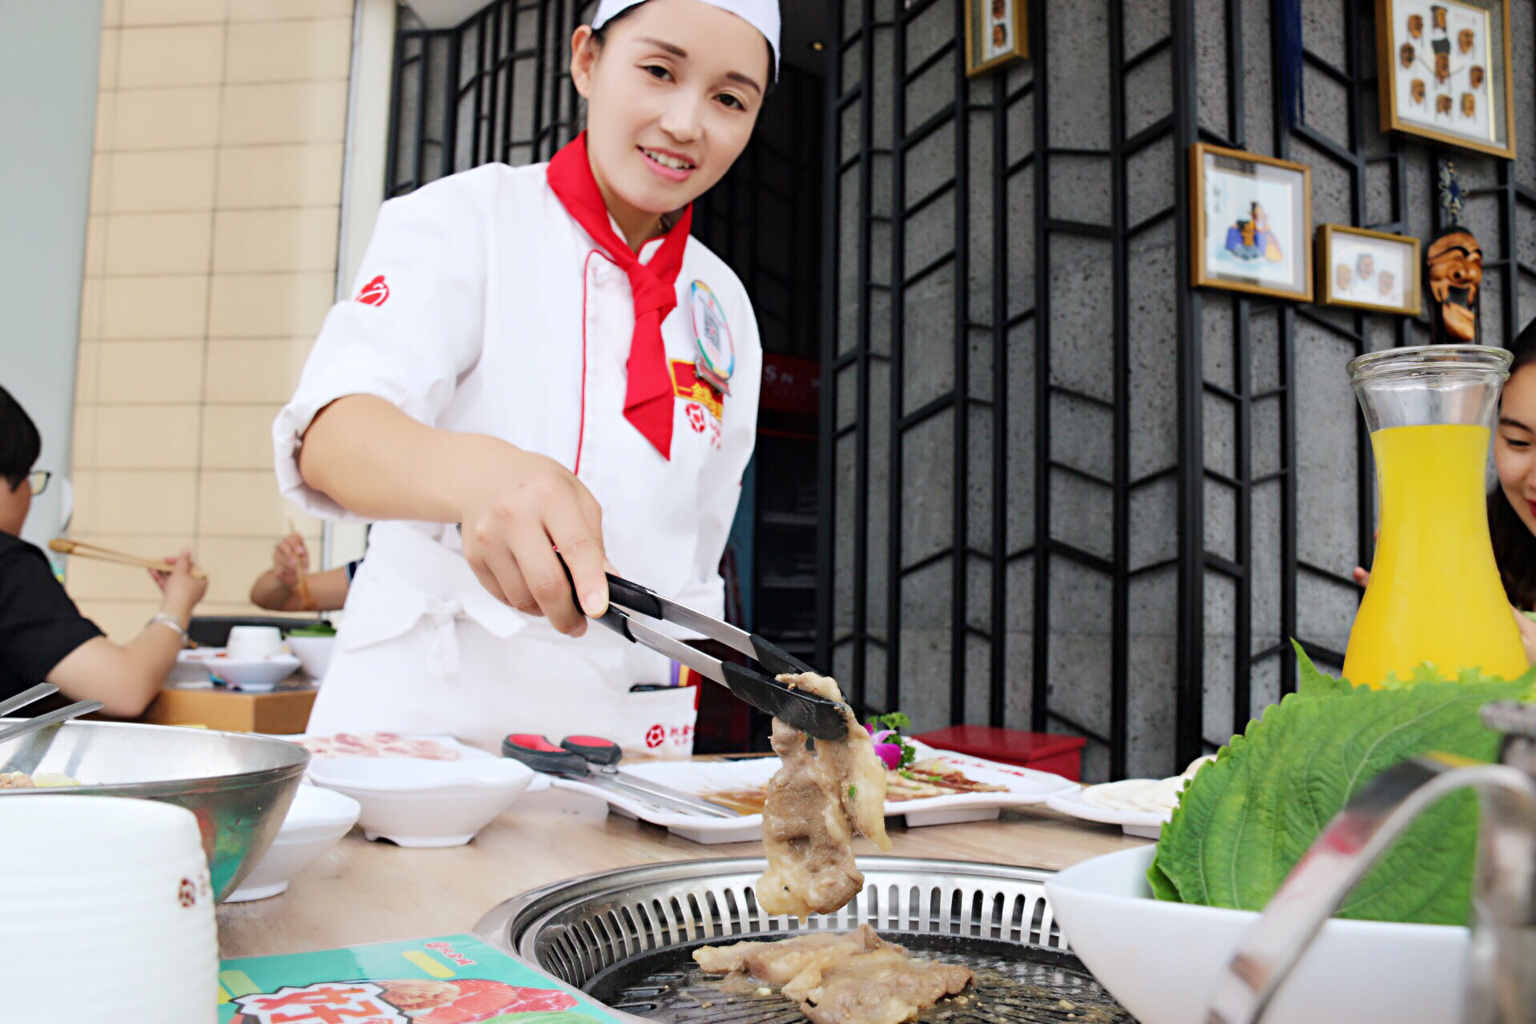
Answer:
(1070, 492)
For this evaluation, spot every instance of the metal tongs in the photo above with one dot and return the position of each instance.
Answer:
(819, 717)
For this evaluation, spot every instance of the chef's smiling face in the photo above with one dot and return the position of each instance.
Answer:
(1514, 444)
(673, 92)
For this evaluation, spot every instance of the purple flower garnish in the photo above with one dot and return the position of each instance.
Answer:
(889, 753)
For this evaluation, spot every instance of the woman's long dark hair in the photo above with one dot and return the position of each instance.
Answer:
(1514, 546)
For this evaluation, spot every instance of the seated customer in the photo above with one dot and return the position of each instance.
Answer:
(43, 636)
(278, 588)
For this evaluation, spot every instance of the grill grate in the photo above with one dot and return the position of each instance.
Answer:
(626, 937)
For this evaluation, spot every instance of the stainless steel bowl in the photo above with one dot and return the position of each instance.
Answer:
(238, 785)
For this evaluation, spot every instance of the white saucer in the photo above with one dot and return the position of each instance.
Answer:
(1143, 824)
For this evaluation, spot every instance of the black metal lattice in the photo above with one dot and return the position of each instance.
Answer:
(1258, 542)
(494, 88)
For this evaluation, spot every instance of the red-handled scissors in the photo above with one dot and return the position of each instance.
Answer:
(595, 760)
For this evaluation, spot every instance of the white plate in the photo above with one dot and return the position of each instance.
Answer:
(1144, 824)
(1025, 786)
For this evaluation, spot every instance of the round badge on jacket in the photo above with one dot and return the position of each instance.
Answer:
(717, 354)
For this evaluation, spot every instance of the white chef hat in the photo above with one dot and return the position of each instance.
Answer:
(762, 15)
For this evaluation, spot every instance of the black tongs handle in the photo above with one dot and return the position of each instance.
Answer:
(635, 597)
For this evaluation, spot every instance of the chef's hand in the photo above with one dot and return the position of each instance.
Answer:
(288, 557)
(182, 590)
(518, 508)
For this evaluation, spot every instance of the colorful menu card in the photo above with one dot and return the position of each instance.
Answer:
(456, 979)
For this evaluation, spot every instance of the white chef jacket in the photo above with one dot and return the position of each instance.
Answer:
(500, 315)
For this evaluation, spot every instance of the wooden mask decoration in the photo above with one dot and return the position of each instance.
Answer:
(1454, 263)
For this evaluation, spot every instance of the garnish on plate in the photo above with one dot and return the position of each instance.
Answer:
(890, 745)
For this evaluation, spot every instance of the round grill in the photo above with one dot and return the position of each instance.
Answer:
(626, 937)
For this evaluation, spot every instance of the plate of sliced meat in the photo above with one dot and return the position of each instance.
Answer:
(387, 744)
(939, 787)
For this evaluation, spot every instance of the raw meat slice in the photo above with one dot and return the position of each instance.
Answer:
(379, 744)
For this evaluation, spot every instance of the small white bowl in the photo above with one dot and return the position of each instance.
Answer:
(414, 802)
(249, 642)
(316, 821)
(313, 652)
(1160, 960)
(254, 675)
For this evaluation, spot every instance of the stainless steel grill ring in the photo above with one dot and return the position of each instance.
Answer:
(577, 928)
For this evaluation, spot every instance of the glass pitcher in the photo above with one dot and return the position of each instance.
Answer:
(1434, 594)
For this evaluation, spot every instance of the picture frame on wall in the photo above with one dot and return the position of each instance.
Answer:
(1368, 270)
(996, 33)
(1252, 222)
(1445, 72)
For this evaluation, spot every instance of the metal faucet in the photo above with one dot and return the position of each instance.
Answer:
(1501, 956)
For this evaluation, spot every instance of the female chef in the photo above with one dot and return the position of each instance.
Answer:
(541, 358)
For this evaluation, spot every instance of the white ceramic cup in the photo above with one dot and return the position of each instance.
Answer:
(251, 642)
(106, 912)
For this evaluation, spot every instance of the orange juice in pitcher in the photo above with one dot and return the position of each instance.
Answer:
(1434, 594)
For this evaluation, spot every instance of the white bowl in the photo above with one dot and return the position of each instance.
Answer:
(255, 675)
(106, 912)
(248, 642)
(316, 821)
(414, 802)
(313, 652)
(1161, 960)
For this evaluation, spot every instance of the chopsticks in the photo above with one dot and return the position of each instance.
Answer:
(64, 714)
(80, 548)
(305, 602)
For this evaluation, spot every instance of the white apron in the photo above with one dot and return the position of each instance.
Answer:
(482, 306)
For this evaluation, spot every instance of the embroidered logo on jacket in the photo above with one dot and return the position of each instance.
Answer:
(689, 385)
(374, 293)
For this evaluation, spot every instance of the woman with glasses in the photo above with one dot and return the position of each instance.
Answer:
(43, 636)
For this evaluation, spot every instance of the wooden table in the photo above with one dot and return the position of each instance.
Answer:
(374, 892)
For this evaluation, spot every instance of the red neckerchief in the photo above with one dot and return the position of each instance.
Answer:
(648, 398)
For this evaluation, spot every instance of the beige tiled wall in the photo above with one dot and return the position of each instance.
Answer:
(210, 263)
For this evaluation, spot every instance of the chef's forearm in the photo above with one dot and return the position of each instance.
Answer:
(379, 463)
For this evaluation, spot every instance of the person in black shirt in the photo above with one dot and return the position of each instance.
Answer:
(43, 636)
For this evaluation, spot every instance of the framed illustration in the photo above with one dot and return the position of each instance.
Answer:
(1368, 269)
(996, 33)
(1252, 222)
(1444, 72)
